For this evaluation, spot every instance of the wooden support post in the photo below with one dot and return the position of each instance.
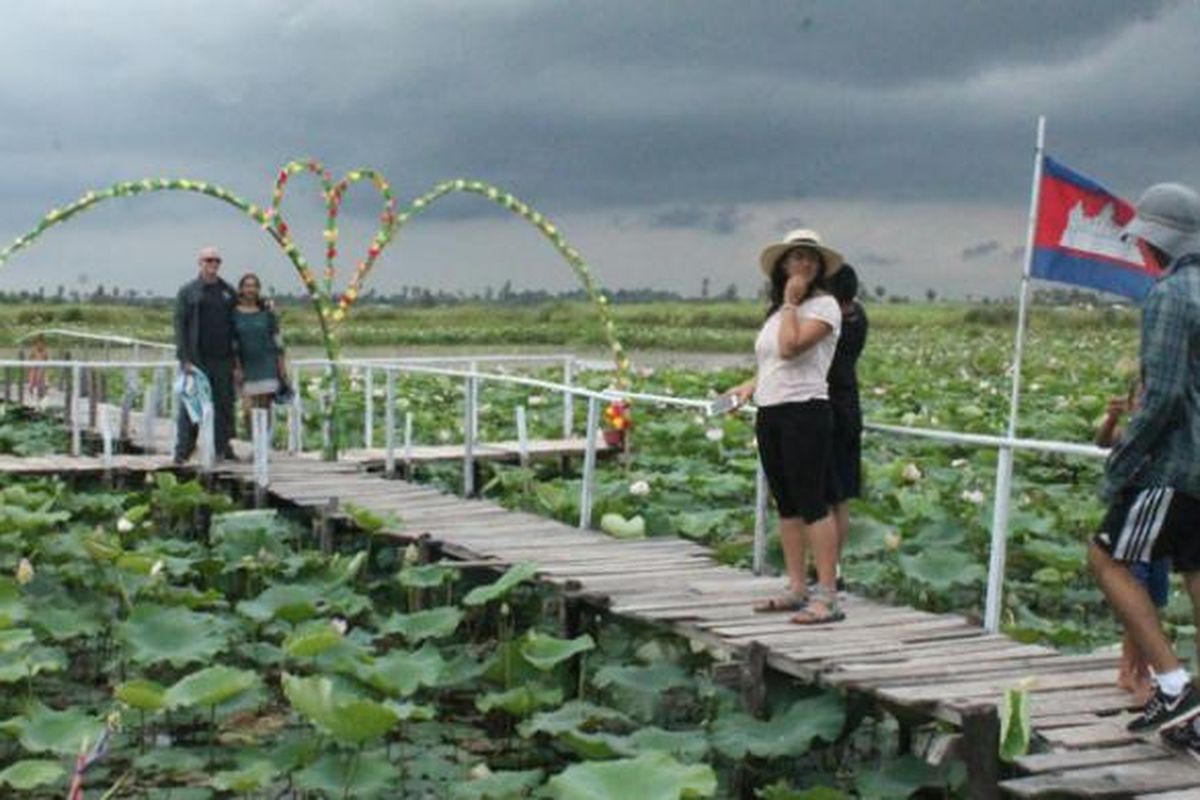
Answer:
(570, 618)
(323, 525)
(753, 679)
(981, 751)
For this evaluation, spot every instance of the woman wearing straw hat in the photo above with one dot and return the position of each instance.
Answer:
(794, 424)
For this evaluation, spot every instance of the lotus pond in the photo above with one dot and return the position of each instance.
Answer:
(167, 645)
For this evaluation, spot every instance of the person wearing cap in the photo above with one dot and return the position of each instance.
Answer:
(1152, 477)
(205, 339)
(794, 423)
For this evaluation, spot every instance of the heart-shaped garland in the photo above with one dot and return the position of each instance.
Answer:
(332, 313)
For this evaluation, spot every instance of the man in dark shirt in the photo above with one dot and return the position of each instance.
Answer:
(204, 340)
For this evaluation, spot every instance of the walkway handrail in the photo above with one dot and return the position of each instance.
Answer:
(107, 338)
(472, 378)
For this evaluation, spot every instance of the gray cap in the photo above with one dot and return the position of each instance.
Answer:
(1168, 217)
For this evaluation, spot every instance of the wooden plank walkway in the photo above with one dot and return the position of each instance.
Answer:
(936, 665)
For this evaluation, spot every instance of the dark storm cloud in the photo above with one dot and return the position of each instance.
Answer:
(724, 220)
(980, 250)
(580, 105)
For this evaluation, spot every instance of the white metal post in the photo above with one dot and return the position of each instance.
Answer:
(587, 490)
(474, 404)
(260, 431)
(408, 443)
(208, 445)
(1000, 503)
(106, 437)
(149, 421)
(76, 431)
(296, 415)
(522, 437)
(389, 423)
(469, 436)
(759, 558)
(568, 397)
(368, 408)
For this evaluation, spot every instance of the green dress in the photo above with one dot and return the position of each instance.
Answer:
(259, 347)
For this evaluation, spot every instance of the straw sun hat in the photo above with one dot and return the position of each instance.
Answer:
(800, 237)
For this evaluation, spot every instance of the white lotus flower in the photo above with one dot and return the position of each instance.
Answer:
(892, 540)
(124, 525)
(443, 435)
(973, 496)
(639, 488)
(157, 569)
(911, 473)
(24, 571)
(959, 463)
(714, 434)
(535, 400)
(339, 625)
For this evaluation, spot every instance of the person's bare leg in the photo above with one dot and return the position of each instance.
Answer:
(841, 518)
(1134, 608)
(1191, 580)
(792, 538)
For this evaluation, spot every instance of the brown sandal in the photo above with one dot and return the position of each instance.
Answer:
(788, 601)
(829, 610)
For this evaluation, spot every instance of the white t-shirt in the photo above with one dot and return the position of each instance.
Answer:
(802, 377)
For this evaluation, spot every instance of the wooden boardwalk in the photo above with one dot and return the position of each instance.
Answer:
(917, 663)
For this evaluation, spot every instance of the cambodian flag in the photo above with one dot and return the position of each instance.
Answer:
(1078, 237)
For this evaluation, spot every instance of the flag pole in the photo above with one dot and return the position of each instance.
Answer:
(1004, 464)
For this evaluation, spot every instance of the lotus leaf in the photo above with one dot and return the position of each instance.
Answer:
(175, 635)
(1015, 728)
(142, 694)
(14, 639)
(547, 652)
(30, 774)
(575, 715)
(60, 623)
(942, 568)
(346, 718)
(618, 527)
(520, 701)
(505, 785)
(434, 623)
(210, 687)
(176, 762)
(654, 776)
(292, 602)
(781, 791)
(312, 640)
(899, 779)
(253, 777)
(406, 712)
(24, 664)
(367, 775)
(401, 672)
(12, 608)
(427, 576)
(687, 746)
(515, 575)
(655, 678)
(44, 730)
(788, 734)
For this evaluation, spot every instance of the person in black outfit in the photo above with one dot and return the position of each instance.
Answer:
(205, 339)
(845, 479)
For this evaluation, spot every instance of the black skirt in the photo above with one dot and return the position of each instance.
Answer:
(794, 444)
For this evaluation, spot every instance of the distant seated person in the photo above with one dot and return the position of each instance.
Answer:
(1134, 673)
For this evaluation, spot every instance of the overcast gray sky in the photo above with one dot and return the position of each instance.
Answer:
(669, 140)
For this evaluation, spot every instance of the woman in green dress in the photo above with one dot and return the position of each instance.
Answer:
(260, 346)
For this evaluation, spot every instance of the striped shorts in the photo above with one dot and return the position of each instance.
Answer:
(1146, 523)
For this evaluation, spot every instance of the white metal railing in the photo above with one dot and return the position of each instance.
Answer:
(472, 379)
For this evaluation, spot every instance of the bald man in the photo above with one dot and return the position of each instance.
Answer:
(205, 340)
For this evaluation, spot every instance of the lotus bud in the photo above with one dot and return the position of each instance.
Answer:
(505, 610)
(339, 624)
(124, 525)
(911, 473)
(412, 554)
(639, 488)
(892, 540)
(24, 571)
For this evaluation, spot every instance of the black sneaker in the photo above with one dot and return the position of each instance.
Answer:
(1182, 738)
(1162, 710)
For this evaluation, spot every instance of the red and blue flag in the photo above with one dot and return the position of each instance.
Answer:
(1078, 238)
